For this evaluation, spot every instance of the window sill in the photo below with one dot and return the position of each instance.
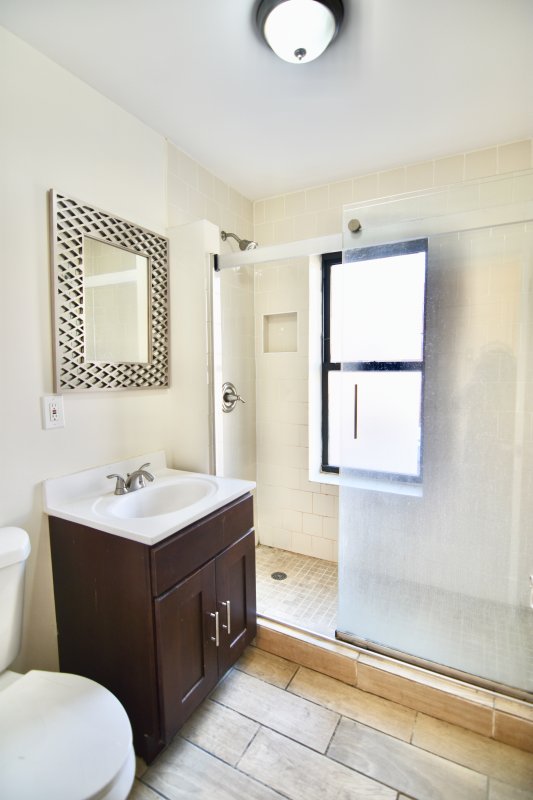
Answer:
(370, 484)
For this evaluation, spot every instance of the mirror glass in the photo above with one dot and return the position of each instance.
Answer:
(117, 303)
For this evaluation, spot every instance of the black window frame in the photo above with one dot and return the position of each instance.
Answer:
(365, 254)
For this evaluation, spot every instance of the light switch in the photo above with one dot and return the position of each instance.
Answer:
(52, 411)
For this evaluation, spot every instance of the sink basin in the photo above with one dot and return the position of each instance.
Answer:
(174, 500)
(155, 501)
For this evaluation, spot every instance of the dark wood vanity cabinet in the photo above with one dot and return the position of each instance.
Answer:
(157, 625)
(202, 626)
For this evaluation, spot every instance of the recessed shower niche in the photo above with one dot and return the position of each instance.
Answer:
(280, 333)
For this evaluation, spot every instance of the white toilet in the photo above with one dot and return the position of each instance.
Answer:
(62, 737)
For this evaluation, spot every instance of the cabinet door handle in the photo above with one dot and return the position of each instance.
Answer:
(227, 604)
(216, 637)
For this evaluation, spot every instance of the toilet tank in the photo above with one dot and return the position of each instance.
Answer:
(14, 550)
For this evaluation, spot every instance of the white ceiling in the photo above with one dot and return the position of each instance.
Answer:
(405, 81)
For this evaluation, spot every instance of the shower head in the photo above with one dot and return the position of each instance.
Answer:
(244, 244)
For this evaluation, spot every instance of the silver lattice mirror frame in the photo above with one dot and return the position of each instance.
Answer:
(71, 222)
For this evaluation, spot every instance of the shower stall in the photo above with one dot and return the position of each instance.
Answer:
(435, 566)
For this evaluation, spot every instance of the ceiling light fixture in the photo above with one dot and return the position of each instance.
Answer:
(298, 31)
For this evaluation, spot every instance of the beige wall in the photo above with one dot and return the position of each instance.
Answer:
(292, 512)
(58, 133)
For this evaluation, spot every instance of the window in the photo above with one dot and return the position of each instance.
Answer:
(373, 360)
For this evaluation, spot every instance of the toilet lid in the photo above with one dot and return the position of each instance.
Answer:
(61, 736)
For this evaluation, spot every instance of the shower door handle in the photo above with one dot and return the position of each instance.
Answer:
(230, 397)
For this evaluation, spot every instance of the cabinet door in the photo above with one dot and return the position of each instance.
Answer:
(235, 583)
(186, 650)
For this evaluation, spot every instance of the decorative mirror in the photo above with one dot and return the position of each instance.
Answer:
(110, 300)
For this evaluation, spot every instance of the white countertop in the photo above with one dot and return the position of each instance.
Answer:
(76, 498)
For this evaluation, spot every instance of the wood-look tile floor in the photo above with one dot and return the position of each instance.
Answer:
(273, 729)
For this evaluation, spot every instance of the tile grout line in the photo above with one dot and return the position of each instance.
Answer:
(234, 766)
(342, 715)
(144, 783)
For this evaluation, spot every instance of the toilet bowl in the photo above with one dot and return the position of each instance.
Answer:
(62, 736)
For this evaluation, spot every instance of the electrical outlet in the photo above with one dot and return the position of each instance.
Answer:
(52, 411)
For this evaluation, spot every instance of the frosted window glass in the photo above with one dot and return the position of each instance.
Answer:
(374, 421)
(377, 309)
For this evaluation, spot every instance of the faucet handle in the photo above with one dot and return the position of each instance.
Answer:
(120, 487)
(135, 479)
(142, 473)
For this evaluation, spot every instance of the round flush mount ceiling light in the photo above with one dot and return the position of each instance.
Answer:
(298, 31)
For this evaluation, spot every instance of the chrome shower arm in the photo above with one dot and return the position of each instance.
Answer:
(224, 235)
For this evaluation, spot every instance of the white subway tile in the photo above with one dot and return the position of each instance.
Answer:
(294, 389)
(206, 182)
(391, 182)
(305, 484)
(274, 208)
(291, 519)
(282, 538)
(177, 215)
(259, 212)
(197, 204)
(299, 501)
(221, 192)
(312, 524)
(326, 505)
(294, 456)
(515, 156)
(365, 187)
(317, 199)
(481, 163)
(188, 170)
(178, 192)
(264, 234)
(330, 528)
(294, 204)
(419, 176)
(323, 548)
(266, 278)
(329, 222)
(340, 193)
(302, 543)
(265, 535)
(305, 226)
(449, 170)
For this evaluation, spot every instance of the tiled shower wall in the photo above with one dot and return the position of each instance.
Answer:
(293, 513)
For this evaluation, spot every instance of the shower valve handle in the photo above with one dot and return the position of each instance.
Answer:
(230, 397)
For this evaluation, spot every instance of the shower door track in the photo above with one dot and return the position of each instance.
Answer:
(433, 666)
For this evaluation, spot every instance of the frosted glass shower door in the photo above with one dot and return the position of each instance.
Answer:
(440, 573)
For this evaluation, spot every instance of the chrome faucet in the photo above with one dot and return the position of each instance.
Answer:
(133, 480)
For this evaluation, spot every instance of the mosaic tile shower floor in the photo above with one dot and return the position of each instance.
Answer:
(306, 598)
